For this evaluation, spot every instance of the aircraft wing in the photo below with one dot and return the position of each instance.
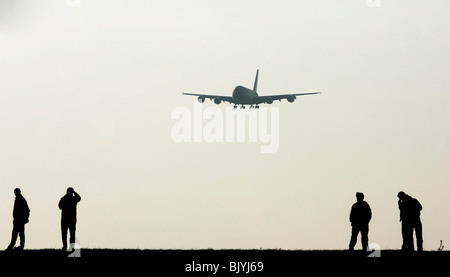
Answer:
(290, 97)
(218, 98)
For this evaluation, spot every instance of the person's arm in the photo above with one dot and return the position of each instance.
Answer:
(60, 204)
(351, 214)
(77, 196)
(27, 209)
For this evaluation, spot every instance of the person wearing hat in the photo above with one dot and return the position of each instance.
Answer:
(21, 214)
(410, 217)
(360, 216)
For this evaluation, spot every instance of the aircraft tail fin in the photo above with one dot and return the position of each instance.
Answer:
(255, 86)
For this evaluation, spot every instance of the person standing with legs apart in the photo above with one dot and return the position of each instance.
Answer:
(21, 214)
(360, 216)
(68, 207)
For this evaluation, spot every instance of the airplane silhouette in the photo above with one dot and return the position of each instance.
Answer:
(245, 96)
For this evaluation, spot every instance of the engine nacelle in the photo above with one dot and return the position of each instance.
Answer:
(291, 98)
(217, 101)
(201, 99)
(269, 100)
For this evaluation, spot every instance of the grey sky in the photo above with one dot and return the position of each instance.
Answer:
(86, 95)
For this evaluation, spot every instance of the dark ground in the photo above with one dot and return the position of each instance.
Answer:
(257, 262)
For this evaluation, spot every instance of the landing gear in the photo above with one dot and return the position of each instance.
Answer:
(243, 107)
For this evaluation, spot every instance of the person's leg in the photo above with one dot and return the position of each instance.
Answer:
(419, 239)
(365, 236)
(404, 236)
(409, 236)
(72, 229)
(64, 234)
(15, 232)
(353, 238)
(21, 231)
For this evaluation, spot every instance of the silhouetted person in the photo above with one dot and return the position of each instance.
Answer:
(21, 214)
(410, 217)
(68, 207)
(360, 216)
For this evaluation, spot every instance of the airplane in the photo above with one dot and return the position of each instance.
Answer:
(245, 96)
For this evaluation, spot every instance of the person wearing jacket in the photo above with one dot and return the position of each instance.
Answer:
(410, 217)
(21, 214)
(68, 207)
(360, 216)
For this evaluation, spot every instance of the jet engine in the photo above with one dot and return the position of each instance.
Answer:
(201, 99)
(291, 98)
(217, 101)
(269, 100)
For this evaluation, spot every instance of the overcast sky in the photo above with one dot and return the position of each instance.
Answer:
(87, 90)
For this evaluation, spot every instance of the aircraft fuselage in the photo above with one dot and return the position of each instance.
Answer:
(244, 96)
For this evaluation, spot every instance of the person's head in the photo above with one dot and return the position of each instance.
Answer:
(401, 195)
(359, 196)
(69, 190)
(16, 191)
